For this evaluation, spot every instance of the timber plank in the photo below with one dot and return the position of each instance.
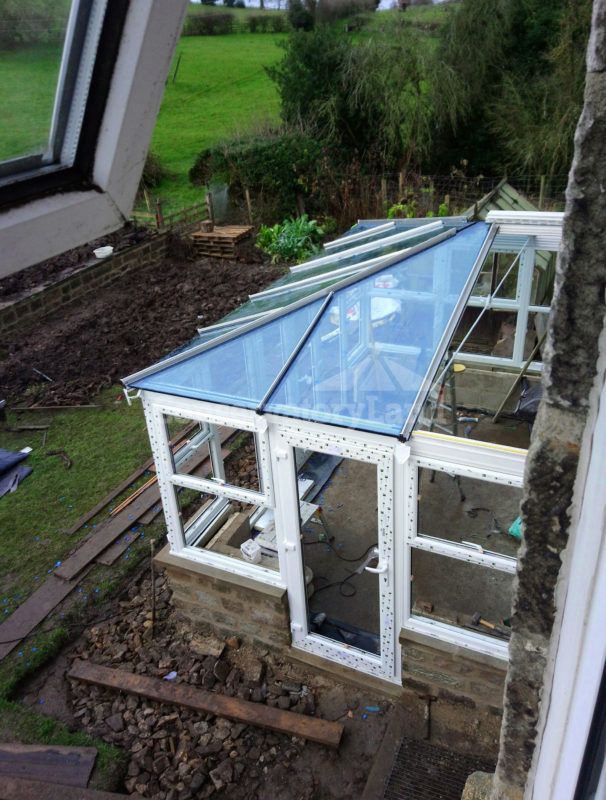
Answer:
(181, 694)
(32, 612)
(71, 766)
(23, 789)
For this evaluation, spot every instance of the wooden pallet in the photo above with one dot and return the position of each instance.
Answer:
(221, 242)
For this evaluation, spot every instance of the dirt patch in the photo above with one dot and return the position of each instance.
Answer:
(177, 754)
(125, 327)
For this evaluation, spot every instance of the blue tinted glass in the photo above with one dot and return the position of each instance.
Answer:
(367, 358)
(239, 371)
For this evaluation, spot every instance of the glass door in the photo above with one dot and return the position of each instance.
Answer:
(335, 514)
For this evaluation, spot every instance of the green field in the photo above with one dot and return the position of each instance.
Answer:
(221, 90)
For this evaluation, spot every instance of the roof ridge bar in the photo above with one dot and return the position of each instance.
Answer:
(281, 312)
(402, 236)
(298, 347)
(440, 351)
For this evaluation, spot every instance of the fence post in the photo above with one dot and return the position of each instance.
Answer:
(209, 207)
(248, 206)
(384, 193)
(400, 186)
(159, 215)
(542, 193)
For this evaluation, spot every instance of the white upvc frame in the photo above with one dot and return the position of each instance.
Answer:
(155, 407)
(285, 435)
(480, 460)
(50, 225)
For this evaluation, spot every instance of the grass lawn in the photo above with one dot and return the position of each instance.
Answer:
(221, 90)
(105, 445)
(28, 77)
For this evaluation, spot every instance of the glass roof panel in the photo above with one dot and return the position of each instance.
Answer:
(368, 357)
(239, 371)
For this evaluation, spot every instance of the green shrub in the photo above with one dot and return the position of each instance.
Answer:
(278, 23)
(25, 22)
(209, 24)
(299, 17)
(258, 23)
(292, 241)
(279, 167)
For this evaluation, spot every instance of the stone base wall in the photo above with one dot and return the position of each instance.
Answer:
(451, 673)
(230, 604)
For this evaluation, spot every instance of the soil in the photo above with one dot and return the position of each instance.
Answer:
(178, 754)
(125, 327)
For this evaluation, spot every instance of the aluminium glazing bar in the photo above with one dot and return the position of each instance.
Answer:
(404, 236)
(299, 346)
(231, 323)
(360, 236)
(325, 276)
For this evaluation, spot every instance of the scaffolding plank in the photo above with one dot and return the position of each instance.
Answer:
(22, 789)
(33, 611)
(181, 694)
(71, 766)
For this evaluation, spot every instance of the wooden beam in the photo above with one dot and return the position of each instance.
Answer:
(181, 694)
(22, 789)
(33, 611)
(71, 766)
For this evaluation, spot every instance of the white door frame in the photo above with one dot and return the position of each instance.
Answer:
(285, 435)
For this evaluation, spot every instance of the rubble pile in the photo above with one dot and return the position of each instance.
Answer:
(176, 753)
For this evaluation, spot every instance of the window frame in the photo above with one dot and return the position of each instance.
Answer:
(155, 407)
(455, 455)
(57, 209)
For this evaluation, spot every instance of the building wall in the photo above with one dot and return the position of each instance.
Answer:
(572, 377)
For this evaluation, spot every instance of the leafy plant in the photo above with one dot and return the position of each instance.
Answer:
(293, 240)
(400, 210)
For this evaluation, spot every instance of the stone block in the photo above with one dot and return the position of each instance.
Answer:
(478, 786)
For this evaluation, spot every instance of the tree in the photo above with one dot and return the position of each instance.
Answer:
(299, 17)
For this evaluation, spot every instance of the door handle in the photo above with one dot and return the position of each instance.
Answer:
(380, 568)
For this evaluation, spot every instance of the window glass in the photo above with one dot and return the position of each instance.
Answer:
(31, 45)
(458, 593)
(461, 509)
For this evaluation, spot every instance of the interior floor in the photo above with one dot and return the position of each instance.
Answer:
(336, 549)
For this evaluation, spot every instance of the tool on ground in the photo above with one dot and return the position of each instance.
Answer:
(477, 619)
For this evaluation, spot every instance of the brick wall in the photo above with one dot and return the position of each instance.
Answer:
(231, 604)
(94, 275)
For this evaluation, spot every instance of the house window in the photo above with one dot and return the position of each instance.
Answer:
(74, 178)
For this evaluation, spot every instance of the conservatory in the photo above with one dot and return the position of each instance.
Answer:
(342, 452)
